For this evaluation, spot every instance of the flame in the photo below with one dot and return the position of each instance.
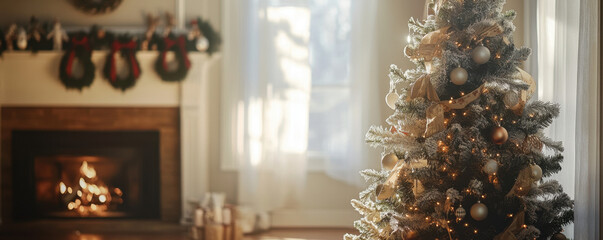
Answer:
(62, 187)
(91, 195)
(89, 172)
(83, 183)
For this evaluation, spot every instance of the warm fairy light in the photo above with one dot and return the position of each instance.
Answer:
(498, 154)
(440, 143)
(475, 231)
(497, 56)
(524, 226)
(462, 94)
(79, 193)
(510, 215)
(426, 218)
(438, 203)
(465, 114)
(89, 172)
(83, 183)
(466, 224)
(102, 198)
(531, 115)
(69, 190)
(473, 139)
(483, 196)
(487, 107)
(62, 188)
(445, 121)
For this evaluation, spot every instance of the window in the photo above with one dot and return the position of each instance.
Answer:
(330, 96)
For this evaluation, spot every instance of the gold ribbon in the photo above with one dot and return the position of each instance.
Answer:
(524, 181)
(511, 230)
(524, 95)
(391, 185)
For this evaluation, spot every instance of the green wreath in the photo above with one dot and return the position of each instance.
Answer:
(179, 47)
(128, 51)
(80, 49)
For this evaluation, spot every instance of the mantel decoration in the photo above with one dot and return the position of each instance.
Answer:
(178, 45)
(96, 6)
(42, 36)
(80, 49)
(127, 48)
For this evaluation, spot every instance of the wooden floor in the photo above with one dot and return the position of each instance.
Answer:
(143, 230)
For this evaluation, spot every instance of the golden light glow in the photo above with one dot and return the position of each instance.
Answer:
(62, 188)
(89, 172)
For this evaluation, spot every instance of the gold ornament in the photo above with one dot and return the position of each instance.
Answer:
(480, 54)
(499, 135)
(536, 172)
(459, 76)
(479, 211)
(460, 213)
(389, 161)
(559, 236)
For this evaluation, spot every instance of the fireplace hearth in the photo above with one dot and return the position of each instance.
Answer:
(85, 174)
(132, 150)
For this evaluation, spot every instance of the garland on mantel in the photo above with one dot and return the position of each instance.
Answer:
(80, 50)
(177, 45)
(201, 37)
(127, 49)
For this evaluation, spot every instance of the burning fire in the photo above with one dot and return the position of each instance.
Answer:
(90, 195)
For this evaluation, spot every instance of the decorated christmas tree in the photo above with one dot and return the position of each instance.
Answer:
(464, 154)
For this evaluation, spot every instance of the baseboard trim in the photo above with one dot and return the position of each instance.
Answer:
(314, 218)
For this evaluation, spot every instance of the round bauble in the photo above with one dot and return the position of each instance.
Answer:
(459, 76)
(559, 236)
(389, 161)
(460, 213)
(491, 167)
(511, 99)
(202, 44)
(536, 172)
(480, 55)
(391, 99)
(479, 211)
(499, 135)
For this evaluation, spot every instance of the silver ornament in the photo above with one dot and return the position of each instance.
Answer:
(490, 167)
(389, 161)
(536, 172)
(202, 44)
(391, 99)
(460, 213)
(511, 99)
(479, 211)
(480, 55)
(459, 76)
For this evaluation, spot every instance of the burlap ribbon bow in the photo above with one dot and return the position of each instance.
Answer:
(391, 185)
(514, 228)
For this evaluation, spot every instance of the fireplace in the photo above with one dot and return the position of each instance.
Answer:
(85, 174)
(132, 150)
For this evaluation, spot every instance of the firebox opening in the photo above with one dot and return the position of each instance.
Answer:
(85, 174)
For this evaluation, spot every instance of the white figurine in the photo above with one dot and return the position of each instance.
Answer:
(58, 35)
(22, 39)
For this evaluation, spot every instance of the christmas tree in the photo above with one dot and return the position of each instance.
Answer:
(464, 153)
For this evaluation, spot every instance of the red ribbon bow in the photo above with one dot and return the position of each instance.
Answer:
(75, 43)
(169, 43)
(116, 47)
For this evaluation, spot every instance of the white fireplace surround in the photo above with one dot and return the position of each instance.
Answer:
(28, 79)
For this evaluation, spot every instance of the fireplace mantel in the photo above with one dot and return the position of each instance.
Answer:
(31, 80)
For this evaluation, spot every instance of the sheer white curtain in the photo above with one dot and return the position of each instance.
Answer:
(567, 74)
(279, 91)
(266, 94)
(351, 154)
